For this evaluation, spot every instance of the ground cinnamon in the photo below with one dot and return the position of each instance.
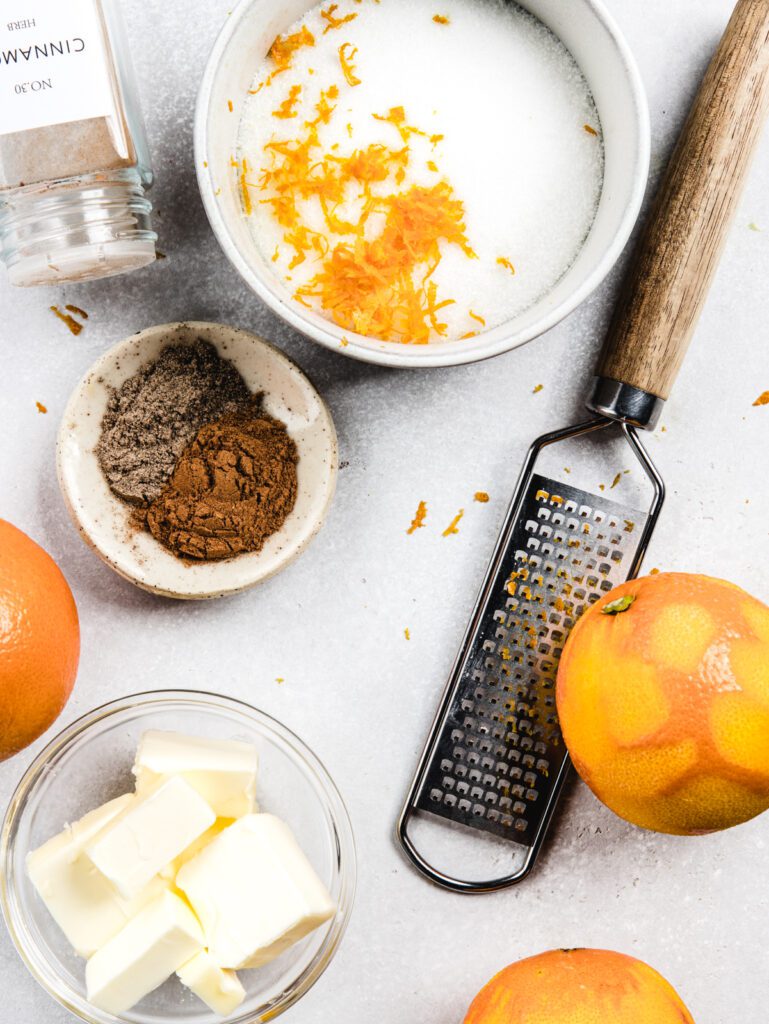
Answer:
(232, 488)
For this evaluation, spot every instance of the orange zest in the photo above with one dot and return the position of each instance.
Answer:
(288, 107)
(65, 318)
(332, 21)
(478, 317)
(283, 49)
(503, 261)
(346, 61)
(440, 19)
(762, 399)
(453, 526)
(419, 518)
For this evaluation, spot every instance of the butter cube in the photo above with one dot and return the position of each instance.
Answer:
(152, 829)
(170, 871)
(158, 941)
(254, 891)
(78, 897)
(222, 771)
(220, 990)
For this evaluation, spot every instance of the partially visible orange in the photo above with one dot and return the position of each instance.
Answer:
(39, 640)
(665, 706)
(578, 986)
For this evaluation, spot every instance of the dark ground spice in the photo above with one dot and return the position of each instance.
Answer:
(154, 415)
(232, 488)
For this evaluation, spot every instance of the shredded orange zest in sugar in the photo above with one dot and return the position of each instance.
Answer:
(453, 525)
(477, 317)
(590, 130)
(230, 106)
(276, 254)
(470, 334)
(537, 388)
(440, 19)
(348, 68)
(396, 116)
(419, 518)
(435, 139)
(288, 107)
(41, 407)
(332, 21)
(481, 496)
(283, 49)
(761, 400)
(432, 166)
(379, 246)
(503, 261)
(245, 194)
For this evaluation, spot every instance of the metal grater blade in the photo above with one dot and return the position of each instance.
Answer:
(499, 752)
(495, 760)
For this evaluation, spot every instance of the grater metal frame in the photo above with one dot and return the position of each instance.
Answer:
(457, 675)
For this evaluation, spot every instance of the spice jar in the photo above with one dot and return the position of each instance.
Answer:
(74, 163)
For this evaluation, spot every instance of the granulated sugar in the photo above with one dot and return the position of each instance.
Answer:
(493, 105)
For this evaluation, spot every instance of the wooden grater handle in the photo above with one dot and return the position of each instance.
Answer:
(678, 253)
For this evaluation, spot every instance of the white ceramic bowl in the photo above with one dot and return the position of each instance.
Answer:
(590, 34)
(104, 521)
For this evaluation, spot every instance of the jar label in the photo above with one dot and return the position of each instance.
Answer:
(54, 64)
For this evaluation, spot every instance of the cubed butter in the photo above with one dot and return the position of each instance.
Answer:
(146, 836)
(219, 989)
(222, 771)
(170, 871)
(254, 891)
(158, 941)
(81, 901)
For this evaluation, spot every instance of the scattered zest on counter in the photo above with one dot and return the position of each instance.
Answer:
(537, 388)
(67, 319)
(407, 633)
(41, 407)
(589, 129)
(453, 526)
(481, 496)
(112, 880)
(762, 399)
(419, 518)
(441, 19)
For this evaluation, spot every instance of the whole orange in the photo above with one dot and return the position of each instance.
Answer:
(663, 698)
(39, 640)
(578, 986)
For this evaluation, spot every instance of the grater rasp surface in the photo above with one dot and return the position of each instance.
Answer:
(499, 751)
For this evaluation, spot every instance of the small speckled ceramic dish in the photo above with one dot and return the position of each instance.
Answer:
(104, 521)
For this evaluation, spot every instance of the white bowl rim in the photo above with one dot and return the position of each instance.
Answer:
(391, 354)
(340, 816)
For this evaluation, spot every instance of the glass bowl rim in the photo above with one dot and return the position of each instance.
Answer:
(334, 807)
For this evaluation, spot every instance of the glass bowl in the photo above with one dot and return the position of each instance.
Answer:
(90, 762)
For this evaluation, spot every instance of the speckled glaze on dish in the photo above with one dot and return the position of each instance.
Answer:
(104, 522)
